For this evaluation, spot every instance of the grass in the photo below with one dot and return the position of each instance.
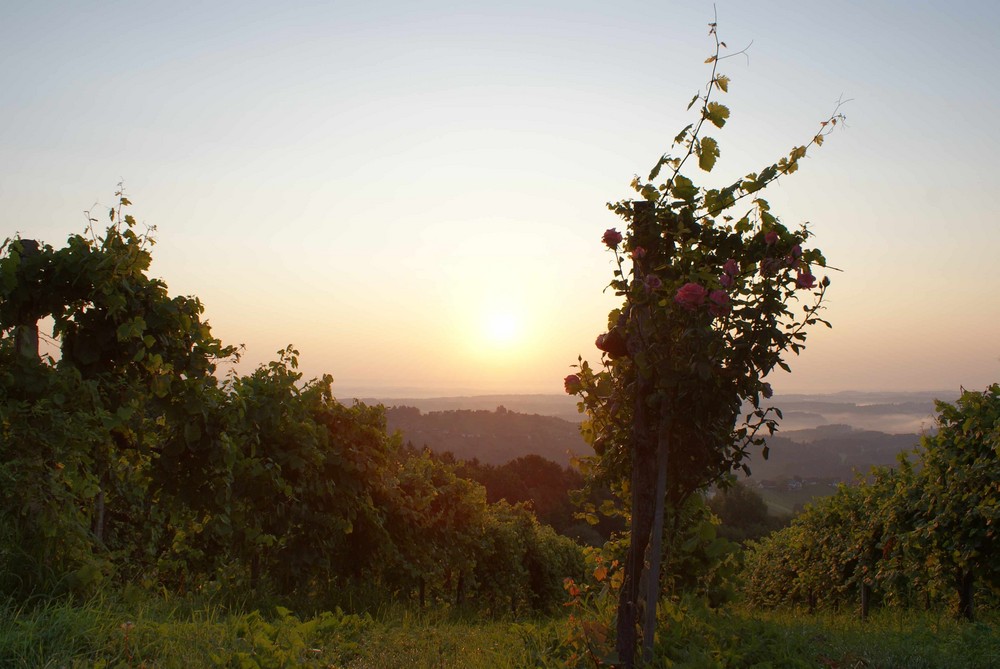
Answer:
(890, 639)
(154, 632)
(165, 633)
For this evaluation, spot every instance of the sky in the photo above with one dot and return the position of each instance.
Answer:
(413, 194)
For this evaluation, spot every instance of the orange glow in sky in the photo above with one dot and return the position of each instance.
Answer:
(413, 194)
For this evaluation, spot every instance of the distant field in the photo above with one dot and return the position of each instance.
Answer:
(787, 502)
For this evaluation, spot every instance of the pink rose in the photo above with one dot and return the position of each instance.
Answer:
(652, 282)
(572, 384)
(612, 238)
(726, 280)
(769, 266)
(731, 268)
(612, 343)
(690, 296)
(638, 253)
(805, 279)
(793, 257)
(719, 303)
(771, 237)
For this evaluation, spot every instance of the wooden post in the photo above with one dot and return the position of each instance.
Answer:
(656, 540)
(643, 449)
(26, 333)
(966, 594)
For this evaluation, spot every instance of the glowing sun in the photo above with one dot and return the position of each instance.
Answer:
(501, 328)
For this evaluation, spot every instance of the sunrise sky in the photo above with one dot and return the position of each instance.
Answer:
(412, 193)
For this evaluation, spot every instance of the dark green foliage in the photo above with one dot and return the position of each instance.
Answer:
(957, 511)
(553, 492)
(743, 513)
(914, 536)
(520, 564)
(126, 460)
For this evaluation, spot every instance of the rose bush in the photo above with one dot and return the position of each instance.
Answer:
(664, 413)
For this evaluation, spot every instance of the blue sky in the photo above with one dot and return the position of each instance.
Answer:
(376, 183)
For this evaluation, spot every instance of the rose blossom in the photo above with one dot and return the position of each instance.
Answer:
(719, 303)
(793, 256)
(691, 296)
(805, 279)
(638, 253)
(771, 237)
(769, 266)
(731, 267)
(612, 342)
(652, 282)
(572, 384)
(726, 281)
(612, 238)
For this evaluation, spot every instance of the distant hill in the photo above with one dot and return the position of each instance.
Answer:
(910, 412)
(827, 437)
(561, 406)
(493, 437)
(831, 452)
(890, 412)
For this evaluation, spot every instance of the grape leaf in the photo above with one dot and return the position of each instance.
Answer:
(708, 152)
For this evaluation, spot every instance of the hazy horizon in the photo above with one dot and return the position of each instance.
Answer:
(403, 393)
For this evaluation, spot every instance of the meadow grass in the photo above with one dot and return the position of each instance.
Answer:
(161, 631)
(739, 637)
(185, 632)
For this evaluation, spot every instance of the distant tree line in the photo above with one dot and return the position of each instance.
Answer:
(490, 437)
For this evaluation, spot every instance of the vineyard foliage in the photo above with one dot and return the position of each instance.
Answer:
(921, 533)
(125, 458)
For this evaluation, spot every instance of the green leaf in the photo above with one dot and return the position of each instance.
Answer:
(708, 152)
(682, 135)
(717, 113)
(693, 100)
(660, 163)
(683, 188)
(192, 432)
